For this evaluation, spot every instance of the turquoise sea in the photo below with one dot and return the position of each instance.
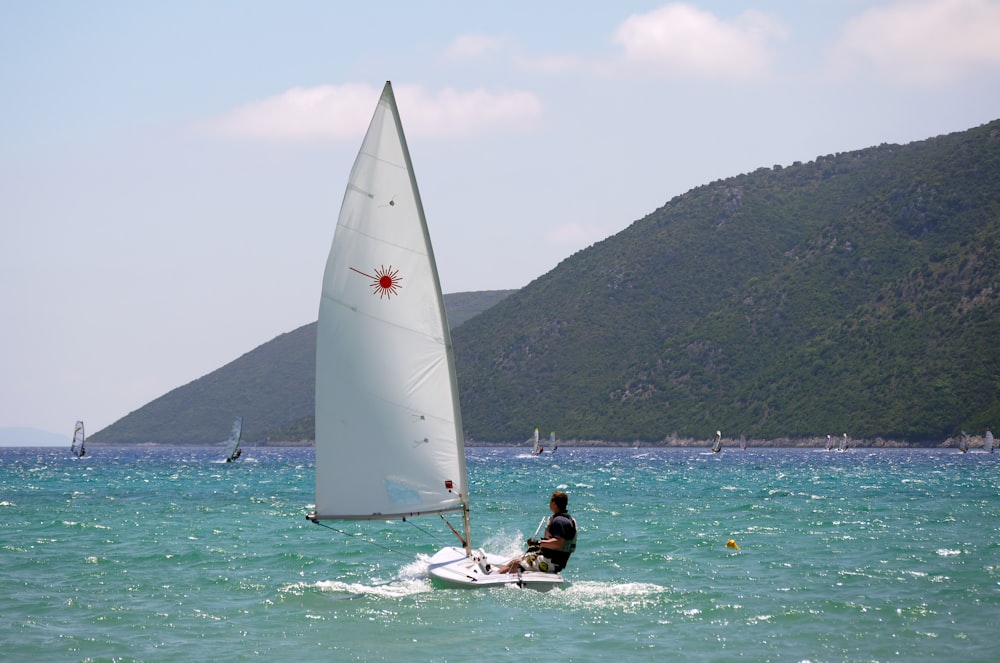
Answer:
(168, 554)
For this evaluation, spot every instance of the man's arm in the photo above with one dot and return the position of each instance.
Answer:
(552, 543)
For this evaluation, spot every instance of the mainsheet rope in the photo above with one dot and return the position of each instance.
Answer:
(372, 541)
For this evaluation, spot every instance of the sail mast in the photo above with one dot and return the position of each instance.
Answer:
(459, 434)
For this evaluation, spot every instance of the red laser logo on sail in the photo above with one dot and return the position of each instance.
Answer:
(385, 283)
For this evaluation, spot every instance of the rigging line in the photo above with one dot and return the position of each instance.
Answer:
(425, 531)
(454, 531)
(358, 536)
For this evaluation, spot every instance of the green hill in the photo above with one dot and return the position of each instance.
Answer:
(855, 293)
(272, 386)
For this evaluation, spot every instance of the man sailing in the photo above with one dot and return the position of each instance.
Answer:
(552, 552)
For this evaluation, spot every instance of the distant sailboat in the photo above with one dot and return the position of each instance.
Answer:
(843, 443)
(963, 444)
(536, 447)
(389, 440)
(988, 442)
(234, 440)
(717, 447)
(743, 442)
(77, 447)
(829, 442)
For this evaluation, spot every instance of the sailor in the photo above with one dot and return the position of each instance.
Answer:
(551, 553)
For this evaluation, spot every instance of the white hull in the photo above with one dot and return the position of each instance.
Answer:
(452, 568)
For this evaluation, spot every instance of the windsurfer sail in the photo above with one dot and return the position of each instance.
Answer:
(234, 440)
(77, 447)
(536, 447)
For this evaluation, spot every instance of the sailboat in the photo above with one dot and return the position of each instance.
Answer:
(829, 443)
(536, 447)
(843, 443)
(963, 444)
(77, 446)
(743, 442)
(717, 447)
(389, 440)
(234, 440)
(988, 442)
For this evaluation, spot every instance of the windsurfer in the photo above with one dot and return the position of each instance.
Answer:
(551, 553)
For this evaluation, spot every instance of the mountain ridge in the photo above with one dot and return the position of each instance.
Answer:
(856, 292)
(271, 385)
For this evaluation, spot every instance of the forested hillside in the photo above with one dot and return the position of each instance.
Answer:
(855, 293)
(272, 386)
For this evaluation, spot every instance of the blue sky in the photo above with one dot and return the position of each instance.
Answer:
(170, 173)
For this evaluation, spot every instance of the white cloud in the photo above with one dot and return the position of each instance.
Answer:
(338, 112)
(473, 46)
(300, 114)
(550, 64)
(922, 42)
(453, 113)
(681, 40)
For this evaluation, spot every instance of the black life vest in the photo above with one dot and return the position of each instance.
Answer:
(569, 543)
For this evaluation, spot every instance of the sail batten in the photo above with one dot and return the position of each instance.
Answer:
(388, 426)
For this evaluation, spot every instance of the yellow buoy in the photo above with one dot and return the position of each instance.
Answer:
(731, 543)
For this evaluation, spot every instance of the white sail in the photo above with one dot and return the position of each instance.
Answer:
(988, 442)
(79, 438)
(963, 444)
(843, 443)
(388, 425)
(535, 445)
(234, 440)
(743, 442)
(717, 447)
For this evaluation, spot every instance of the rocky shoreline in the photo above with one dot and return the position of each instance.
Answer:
(667, 443)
